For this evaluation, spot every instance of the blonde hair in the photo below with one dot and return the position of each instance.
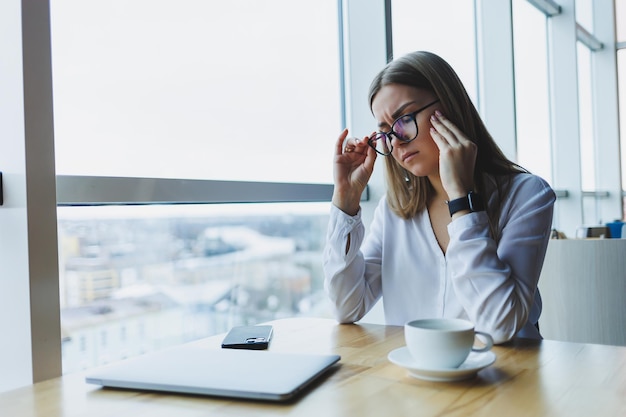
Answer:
(407, 194)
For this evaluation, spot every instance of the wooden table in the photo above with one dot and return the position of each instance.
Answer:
(529, 378)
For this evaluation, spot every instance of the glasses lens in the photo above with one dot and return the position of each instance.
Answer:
(383, 144)
(405, 128)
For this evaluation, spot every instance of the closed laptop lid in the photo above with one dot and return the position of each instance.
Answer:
(193, 369)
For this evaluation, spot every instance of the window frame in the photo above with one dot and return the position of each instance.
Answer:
(76, 190)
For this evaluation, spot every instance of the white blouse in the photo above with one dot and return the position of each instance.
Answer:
(494, 285)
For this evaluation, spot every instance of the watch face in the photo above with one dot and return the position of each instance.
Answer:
(475, 204)
(471, 198)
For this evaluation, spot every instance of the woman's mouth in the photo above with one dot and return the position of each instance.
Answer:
(408, 155)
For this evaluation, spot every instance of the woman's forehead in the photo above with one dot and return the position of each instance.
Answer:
(393, 99)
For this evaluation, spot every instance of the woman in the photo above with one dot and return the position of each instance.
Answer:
(462, 231)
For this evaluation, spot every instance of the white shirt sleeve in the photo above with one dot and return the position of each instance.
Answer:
(496, 282)
(352, 284)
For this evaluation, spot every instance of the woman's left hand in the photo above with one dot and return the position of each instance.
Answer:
(457, 156)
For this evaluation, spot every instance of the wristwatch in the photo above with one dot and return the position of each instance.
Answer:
(471, 202)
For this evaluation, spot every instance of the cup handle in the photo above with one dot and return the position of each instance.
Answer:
(488, 342)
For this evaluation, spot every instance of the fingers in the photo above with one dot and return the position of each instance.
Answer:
(345, 144)
(351, 145)
(339, 143)
(457, 155)
(445, 130)
(370, 157)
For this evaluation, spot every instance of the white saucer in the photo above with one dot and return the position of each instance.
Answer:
(468, 369)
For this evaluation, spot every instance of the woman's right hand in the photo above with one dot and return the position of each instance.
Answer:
(353, 167)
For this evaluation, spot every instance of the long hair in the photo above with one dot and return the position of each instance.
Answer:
(407, 194)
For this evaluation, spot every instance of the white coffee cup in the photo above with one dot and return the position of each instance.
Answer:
(442, 343)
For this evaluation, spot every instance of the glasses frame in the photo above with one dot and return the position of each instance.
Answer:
(388, 136)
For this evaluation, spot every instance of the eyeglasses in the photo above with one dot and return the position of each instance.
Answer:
(404, 128)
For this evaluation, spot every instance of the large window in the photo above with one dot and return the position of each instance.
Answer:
(417, 25)
(587, 139)
(532, 101)
(237, 91)
(241, 90)
(140, 278)
(620, 24)
(621, 65)
(599, 138)
(589, 157)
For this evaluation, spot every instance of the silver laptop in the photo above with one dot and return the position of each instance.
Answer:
(193, 369)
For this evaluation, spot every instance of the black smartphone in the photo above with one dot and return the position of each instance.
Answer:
(248, 337)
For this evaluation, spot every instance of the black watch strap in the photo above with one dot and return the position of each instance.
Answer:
(471, 202)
